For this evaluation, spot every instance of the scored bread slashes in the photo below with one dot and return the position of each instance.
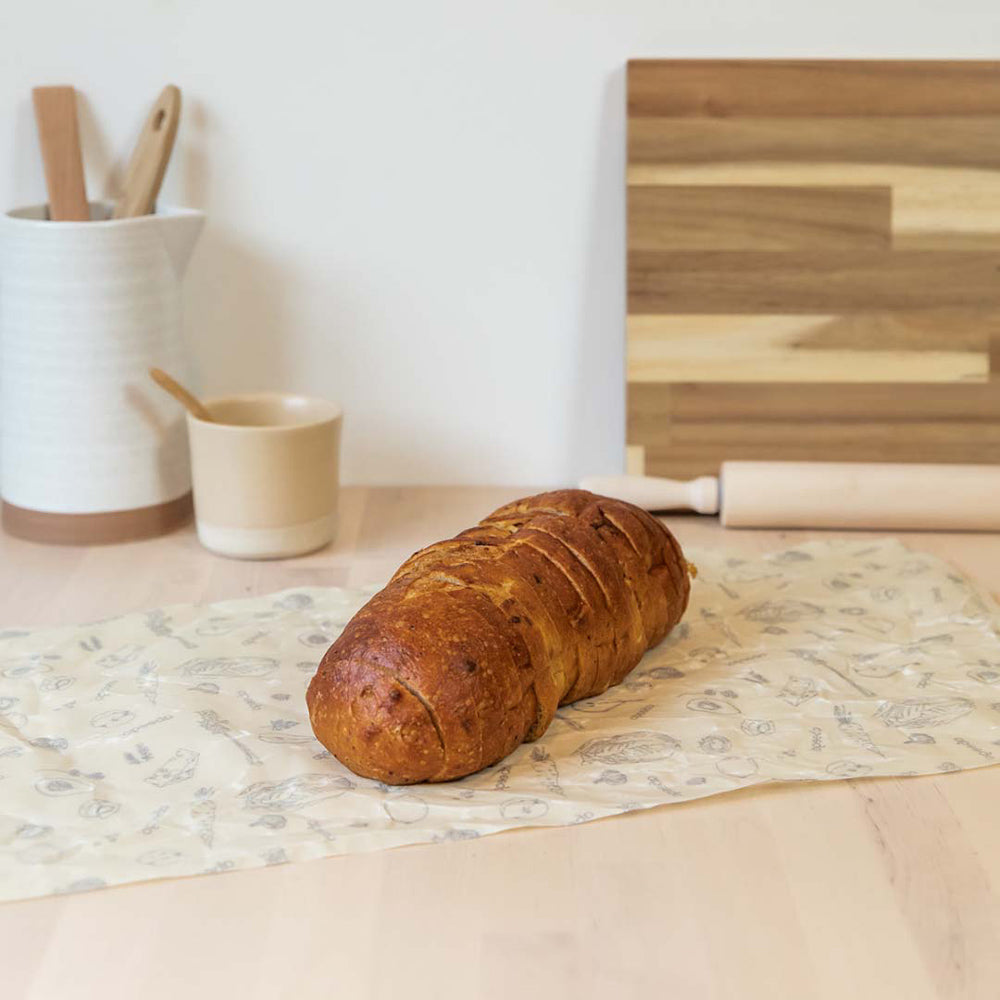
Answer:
(477, 640)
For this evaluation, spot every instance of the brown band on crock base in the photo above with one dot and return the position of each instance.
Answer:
(97, 529)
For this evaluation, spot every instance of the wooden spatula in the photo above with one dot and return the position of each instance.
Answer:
(152, 153)
(59, 136)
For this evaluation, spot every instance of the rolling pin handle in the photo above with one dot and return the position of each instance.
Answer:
(654, 493)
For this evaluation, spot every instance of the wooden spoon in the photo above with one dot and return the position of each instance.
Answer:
(191, 403)
(152, 153)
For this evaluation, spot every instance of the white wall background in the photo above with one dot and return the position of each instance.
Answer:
(414, 207)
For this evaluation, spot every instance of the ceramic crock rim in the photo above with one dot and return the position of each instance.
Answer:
(162, 211)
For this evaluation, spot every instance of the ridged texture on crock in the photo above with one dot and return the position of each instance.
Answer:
(477, 640)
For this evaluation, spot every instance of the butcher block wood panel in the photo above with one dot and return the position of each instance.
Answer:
(813, 262)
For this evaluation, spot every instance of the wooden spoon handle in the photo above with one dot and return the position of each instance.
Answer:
(149, 160)
(59, 136)
(191, 403)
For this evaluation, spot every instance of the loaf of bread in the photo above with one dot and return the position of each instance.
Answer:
(477, 640)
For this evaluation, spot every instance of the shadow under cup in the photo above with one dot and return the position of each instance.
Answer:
(266, 475)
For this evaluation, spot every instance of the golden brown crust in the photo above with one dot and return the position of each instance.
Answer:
(478, 639)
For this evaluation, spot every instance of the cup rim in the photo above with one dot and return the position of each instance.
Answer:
(336, 411)
(162, 210)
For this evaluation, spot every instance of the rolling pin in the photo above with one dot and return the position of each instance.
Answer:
(826, 495)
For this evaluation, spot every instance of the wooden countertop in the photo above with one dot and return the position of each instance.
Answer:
(866, 889)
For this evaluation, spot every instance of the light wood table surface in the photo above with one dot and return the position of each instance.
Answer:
(885, 888)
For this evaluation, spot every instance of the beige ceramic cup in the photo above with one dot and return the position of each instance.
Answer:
(266, 474)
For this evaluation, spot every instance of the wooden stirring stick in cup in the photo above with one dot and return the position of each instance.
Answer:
(191, 403)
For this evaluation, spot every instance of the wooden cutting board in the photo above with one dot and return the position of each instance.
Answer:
(813, 262)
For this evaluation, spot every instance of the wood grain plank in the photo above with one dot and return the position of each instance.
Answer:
(944, 239)
(952, 201)
(759, 218)
(684, 458)
(967, 441)
(707, 282)
(950, 141)
(931, 346)
(680, 447)
(746, 87)
(966, 330)
(688, 429)
(781, 402)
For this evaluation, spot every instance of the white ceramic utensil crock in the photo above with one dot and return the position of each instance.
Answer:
(91, 450)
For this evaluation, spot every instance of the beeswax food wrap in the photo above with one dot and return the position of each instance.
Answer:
(176, 742)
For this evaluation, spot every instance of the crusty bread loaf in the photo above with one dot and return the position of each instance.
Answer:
(477, 640)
